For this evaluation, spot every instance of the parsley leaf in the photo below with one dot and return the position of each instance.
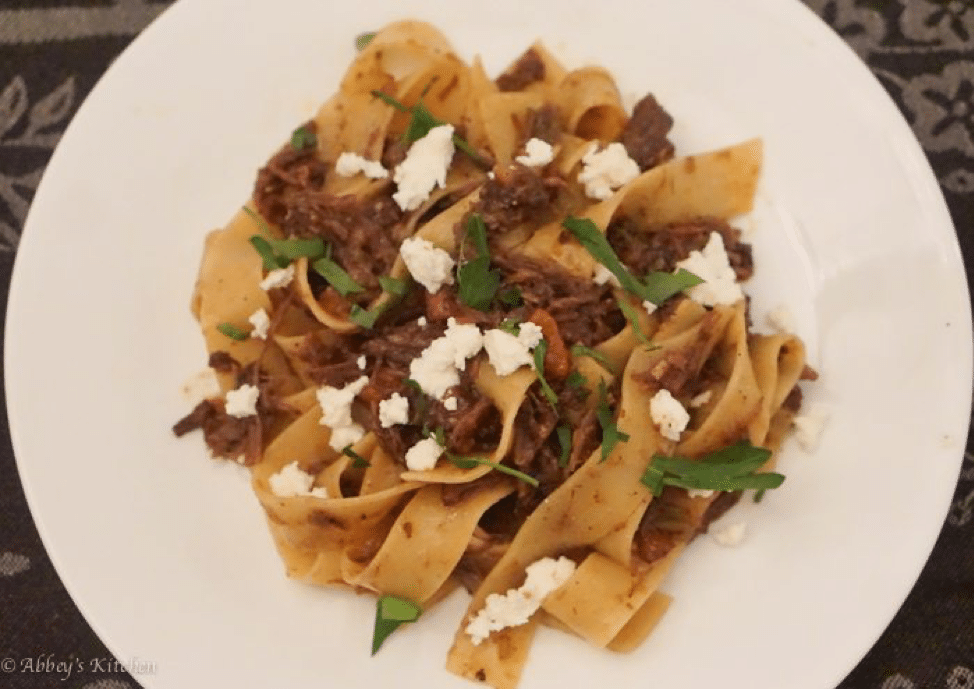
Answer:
(657, 287)
(390, 613)
(575, 380)
(476, 282)
(366, 318)
(358, 461)
(363, 39)
(759, 495)
(393, 285)
(565, 440)
(629, 311)
(582, 350)
(511, 297)
(421, 122)
(271, 260)
(660, 286)
(611, 435)
(303, 137)
(734, 467)
(297, 248)
(336, 277)
(471, 462)
(233, 332)
(539, 355)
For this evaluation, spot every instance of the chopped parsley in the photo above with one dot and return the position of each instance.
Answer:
(629, 311)
(539, 354)
(336, 276)
(363, 39)
(510, 326)
(657, 287)
(394, 286)
(470, 462)
(565, 440)
(421, 121)
(303, 137)
(582, 350)
(358, 461)
(731, 468)
(611, 435)
(233, 332)
(476, 283)
(390, 613)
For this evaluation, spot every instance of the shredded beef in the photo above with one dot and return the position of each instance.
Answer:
(225, 435)
(718, 508)
(665, 523)
(535, 421)
(645, 248)
(543, 123)
(363, 233)
(397, 345)
(644, 135)
(328, 362)
(793, 402)
(586, 313)
(516, 195)
(528, 69)
(222, 362)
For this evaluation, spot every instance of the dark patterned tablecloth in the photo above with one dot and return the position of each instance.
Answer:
(53, 51)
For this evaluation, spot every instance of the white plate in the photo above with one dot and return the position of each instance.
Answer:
(167, 554)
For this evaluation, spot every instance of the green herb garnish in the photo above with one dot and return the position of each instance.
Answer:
(358, 461)
(611, 435)
(390, 613)
(731, 468)
(471, 462)
(292, 249)
(575, 380)
(233, 332)
(271, 260)
(565, 440)
(511, 297)
(394, 285)
(366, 318)
(759, 495)
(582, 350)
(421, 122)
(476, 282)
(510, 326)
(363, 39)
(656, 288)
(336, 277)
(303, 137)
(539, 355)
(633, 317)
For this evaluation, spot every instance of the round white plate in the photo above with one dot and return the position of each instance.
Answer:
(166, 553)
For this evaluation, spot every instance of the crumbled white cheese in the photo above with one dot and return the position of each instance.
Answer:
(702, 398)
(423, 455)
(649, 306)
(242, 401)
(719, 286)
(261, 322)
(516, 606)
(421, 321)
(281, 277)
(668, 415)
(350, 164)
(361, 362)
(606, 170)
(425, 167)
(336, 413)
(809, 426)
(429, 265)
(393, 411)
(731, 535)
(538, 153)
(781, 319)
(450, 404)
(604, 275)
(201, 386)
(506, 352)
(292, 481)
(700, 493)
(437, 368)
(529, 334)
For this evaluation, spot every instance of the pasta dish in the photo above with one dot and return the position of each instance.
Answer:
(491, 334)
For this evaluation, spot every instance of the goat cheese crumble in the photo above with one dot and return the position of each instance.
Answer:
(537, 153)
(809, 426)
(261, 322)
(515, 607)
(731, 535)
(394, 410)
(430, 266)
(424, 168)
(605, 171)
(278, 278)
(292, 481)
(423, 455)
(336, 413)
(242, 402)
(437, 368)
(350, 164)
(668, 415)
(712, 265)
(604, 275)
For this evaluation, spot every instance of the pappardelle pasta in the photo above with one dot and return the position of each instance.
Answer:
(490, 333)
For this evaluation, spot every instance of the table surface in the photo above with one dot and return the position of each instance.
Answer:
(53, 51)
